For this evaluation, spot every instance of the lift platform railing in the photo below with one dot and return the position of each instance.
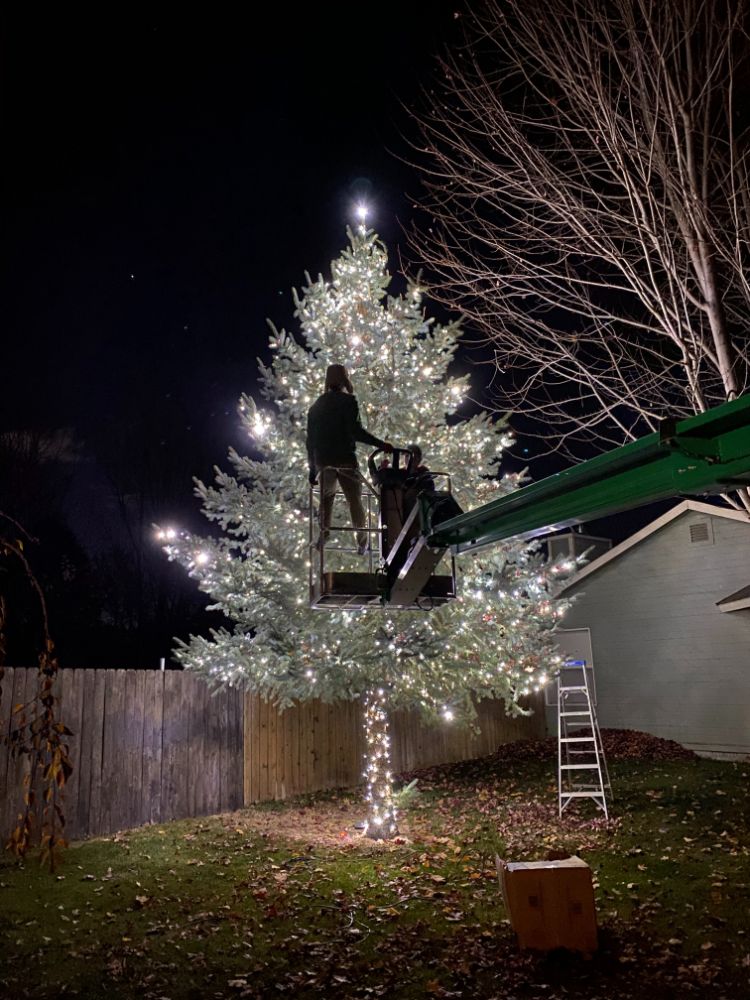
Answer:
(340, 578)
(336, 590)
(705, 454)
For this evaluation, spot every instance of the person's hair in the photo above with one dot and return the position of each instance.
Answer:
(337, 378)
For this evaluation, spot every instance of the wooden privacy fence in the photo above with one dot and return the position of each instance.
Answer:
(148, 746)
(316, 746)
(151, 746)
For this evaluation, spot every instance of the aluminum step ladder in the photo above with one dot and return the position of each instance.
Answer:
(581, 764)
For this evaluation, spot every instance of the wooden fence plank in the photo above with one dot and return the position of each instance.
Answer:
(252, 749)
(197, 711)
(71, 715)
(246, 737)
(321, 745)
(128, 738)
(309, 733)
(174, 746)
(114, 790)
(303, 730)
(35, 783)
(351, 761)
(272, 725)
(151, 762)
(291, 754)
(83, 761)
(301, 727)
(7, 788)
(94, 713)
(328, 749)
(332, 750)
(345, 760)
(277, 755)
(124, 806)
(283, 764)
(350, 765)
(334, 736)
(224, 698)
(213, 753)
(399, 725)
(289, 783)
(298, 749)
(223, 724)
(136, 709)
(236, 754)
(24, 688)
(398, 741)
(263, 784)
(358, 716)
(282, 740)
(239, 747)
(227, 745)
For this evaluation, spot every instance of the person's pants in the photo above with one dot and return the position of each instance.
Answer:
(351, 486)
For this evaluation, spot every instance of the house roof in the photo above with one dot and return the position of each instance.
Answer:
(678, 510)
(737, 601)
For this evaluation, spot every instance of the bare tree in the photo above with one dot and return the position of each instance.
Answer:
(586, 172)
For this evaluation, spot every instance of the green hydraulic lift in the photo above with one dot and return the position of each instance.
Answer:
(705, 454)
(701, 455)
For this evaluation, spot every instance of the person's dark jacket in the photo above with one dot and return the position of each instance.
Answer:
(333, 429)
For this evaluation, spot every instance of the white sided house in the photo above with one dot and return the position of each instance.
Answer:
(669, 617)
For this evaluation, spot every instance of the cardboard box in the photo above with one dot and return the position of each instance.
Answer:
(551, 904)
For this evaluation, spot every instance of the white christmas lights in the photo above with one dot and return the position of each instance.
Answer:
(381, 811)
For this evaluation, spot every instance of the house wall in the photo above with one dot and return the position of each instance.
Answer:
(667, 661)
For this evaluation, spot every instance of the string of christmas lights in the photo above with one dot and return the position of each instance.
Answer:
(381, 811)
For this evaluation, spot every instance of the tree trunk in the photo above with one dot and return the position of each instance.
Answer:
(380, 823)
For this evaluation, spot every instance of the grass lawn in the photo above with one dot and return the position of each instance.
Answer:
(287, 900)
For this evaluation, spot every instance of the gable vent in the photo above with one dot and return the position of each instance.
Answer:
(700, 532)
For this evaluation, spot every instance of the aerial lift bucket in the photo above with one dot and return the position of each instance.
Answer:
(402, 575)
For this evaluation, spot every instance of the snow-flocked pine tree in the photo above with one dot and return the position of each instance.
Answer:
(494, 641)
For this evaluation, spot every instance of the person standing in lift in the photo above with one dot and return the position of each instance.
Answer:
(333, 430)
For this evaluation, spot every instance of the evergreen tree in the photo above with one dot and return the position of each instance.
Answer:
(495, 640)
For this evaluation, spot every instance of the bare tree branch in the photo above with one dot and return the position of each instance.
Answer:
(585, 164)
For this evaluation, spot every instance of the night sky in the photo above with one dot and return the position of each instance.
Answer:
(170, 179)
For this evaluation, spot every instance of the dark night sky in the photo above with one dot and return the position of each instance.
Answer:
(171, 178)
(212, 162)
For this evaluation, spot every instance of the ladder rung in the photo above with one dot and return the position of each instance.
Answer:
(585, 712)
(582, 795)
(578, 687)
(577, 739)
(579, 767)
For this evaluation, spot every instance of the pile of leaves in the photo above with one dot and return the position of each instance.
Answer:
(619, 744)
(629, 744)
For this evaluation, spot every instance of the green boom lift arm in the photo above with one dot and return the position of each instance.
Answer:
(704, 454)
